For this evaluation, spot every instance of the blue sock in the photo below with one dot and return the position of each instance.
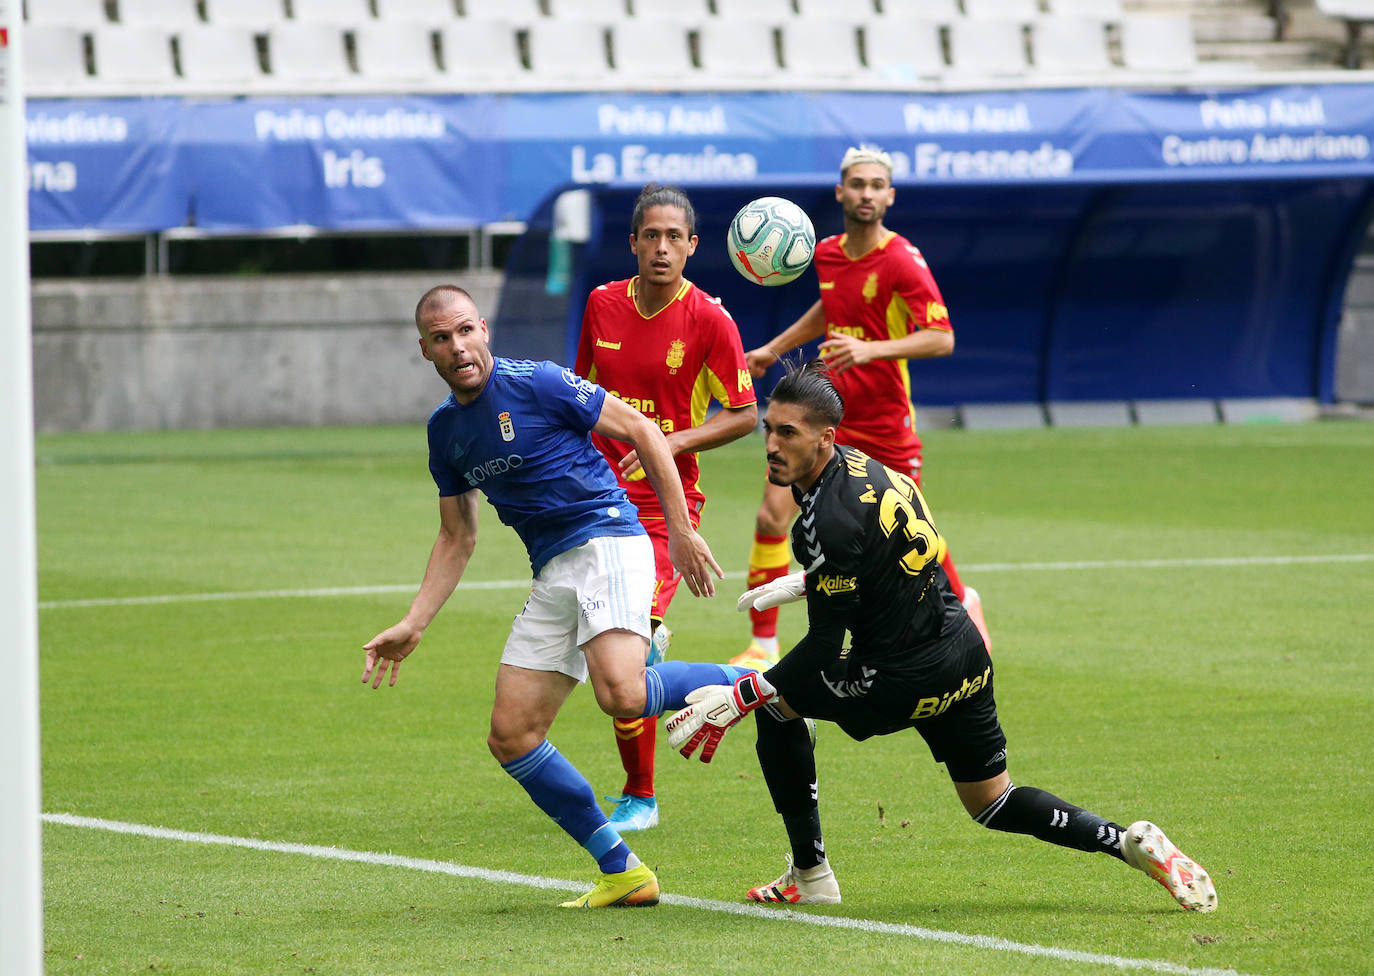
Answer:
(667, 683)
(558, 789)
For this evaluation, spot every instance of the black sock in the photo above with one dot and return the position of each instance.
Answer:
(789, 768)
(1027, 810)
(804, 834)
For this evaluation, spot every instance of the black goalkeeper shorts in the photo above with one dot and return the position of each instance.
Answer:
(950, 703)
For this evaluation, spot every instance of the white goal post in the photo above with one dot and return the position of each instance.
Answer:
(21, 889)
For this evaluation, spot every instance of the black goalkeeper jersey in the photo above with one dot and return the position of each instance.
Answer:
(872, 559)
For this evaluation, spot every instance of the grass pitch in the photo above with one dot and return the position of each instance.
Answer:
(1177, 637)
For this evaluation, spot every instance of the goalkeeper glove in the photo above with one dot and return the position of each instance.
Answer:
(712, 709)
(784, 589)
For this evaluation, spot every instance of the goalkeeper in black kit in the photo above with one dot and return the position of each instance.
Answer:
(915, 660)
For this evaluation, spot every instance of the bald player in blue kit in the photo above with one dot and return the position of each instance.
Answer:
(520, 432)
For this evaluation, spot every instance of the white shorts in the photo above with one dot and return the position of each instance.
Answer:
(604, 584)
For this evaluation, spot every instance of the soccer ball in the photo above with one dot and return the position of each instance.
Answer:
(771, 241)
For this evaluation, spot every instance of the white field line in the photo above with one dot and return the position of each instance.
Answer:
(1218, 561)
(702, 904)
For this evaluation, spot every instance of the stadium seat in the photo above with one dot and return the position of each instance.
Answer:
(1358, 9)
(257, 15)
(686, 12)
(1101, 9)
(310, 55)
(1070, 46)
(738, 53)
(1355, 14)
(651, 53)
(167, 14)
(481, 54)
(1158, 42)
(133, 59)
(395, 54)
(1022, 10)
(67, 13)
(820, 50)
(854, 10)
(568, 52)
(902, 50)
(344, 13)
(55, 62)
(987, 47)
(223, 60)
(522, 13)
(598, 11)
(769, 11)
(431, 12)
(943, 11)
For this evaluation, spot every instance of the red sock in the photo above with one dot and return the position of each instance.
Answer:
(635, 737)
(769, 559)
(955, 583)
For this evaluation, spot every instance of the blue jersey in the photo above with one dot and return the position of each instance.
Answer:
(525, 442)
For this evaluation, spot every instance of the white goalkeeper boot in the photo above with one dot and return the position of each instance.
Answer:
(801, 886)
(1146, 848)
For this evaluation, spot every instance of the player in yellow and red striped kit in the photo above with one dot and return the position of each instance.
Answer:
(665, 347)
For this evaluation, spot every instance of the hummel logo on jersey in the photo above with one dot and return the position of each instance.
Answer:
(606, 344)
(809, 533)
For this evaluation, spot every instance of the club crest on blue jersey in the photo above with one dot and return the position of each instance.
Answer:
(506, 424)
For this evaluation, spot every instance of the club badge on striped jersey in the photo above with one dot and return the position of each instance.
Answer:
(507, 427)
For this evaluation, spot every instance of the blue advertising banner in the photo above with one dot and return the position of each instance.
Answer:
(110, 165)
(347, 164)
(380, 162)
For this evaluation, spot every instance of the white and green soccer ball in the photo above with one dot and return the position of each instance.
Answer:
(771, 241)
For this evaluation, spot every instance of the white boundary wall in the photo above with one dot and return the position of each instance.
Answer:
(225, 351)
